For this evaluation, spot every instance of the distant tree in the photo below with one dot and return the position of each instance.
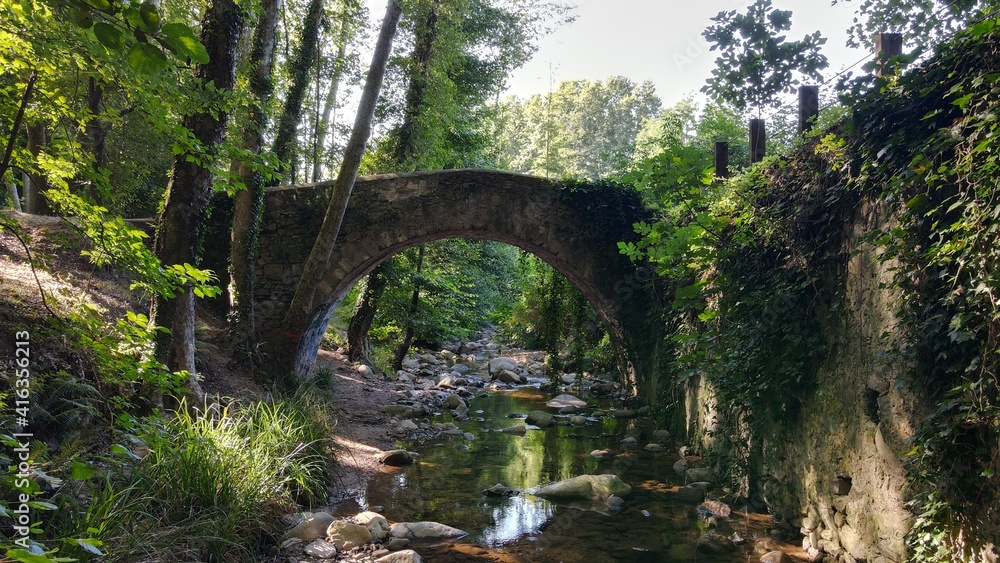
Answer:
(755, 62)
(583, 129)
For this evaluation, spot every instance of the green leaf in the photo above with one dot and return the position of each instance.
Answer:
(183, 41)
(84, 18)
(146, 58)
(81, 471)
(102, 5)
(109, 36)
(27, 557)
(150, 16)
(90, 545)
(41, 505)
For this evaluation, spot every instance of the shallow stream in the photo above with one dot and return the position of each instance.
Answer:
(447, 486)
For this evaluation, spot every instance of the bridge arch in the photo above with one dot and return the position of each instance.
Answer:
(574, 228)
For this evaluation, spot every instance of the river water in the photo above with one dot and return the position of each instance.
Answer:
(447, 484)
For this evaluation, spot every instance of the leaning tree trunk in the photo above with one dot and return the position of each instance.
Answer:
(359, 345)
(190, 189)
(304, 60)
(406, 149)
(248, 205)
(307, 296)
(411, 315)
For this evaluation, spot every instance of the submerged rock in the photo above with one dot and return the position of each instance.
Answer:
(713, 544)
(405, 556)
(653, 447)
(699, 474)
(690, 494)
(395, 458)
(519, 430)
(564, 400)
(539, 418)
(578, 420)
(424, 530)
(499, 490)
(594, 487)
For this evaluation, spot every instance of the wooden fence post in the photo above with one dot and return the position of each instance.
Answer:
(808, 107)
(758, 140)
(887, 45)
(722, 159)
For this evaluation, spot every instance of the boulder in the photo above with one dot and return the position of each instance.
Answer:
(452, 382)
(405, 556)
(564, 400)
(453, 402)
(377, 525)
(715, 508)
(469, 348)
(593, 487)
(424, 531)
(502, 363)
(519, 430)
(539, 418)
(661, 436)
(630, 441)
(321, 549)
(499, 490)
(396, 544)
(507, 376)
(699, 474)
(347, 535)
(625, 413)
(714, 544)
(681, 466)
(411, 364)
(395, 458)
(460, 368)
(578, 420)
(312, 527)
(690, 494)
(600, 453)
(653, 447)
(407, 425)
(776, 557)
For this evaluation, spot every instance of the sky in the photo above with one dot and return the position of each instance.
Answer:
(660, 41)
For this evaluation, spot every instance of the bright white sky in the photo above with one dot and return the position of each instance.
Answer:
(658, 40)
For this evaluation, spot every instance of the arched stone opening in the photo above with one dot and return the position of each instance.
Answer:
(574, 228)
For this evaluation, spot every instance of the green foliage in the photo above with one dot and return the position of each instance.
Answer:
(923, 23)
(927, 148)
(756, 63)
(583, 129)
(213, 486)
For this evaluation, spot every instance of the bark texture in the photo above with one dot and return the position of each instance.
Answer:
(248, 204)
(307, 292)
(190, 190)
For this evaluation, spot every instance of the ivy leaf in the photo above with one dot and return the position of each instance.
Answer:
(146, 58)
(182, 41)
(109, 36)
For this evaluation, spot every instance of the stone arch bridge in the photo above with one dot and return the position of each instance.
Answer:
(575, 228)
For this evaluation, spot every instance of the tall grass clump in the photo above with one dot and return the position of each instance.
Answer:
(214, 484)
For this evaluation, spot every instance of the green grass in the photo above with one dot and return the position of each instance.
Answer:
(213, 486)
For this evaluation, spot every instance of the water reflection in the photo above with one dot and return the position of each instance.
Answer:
(447, 486)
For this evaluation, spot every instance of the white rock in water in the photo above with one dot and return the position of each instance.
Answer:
(564, 400)
(502, 363)
(596, 487)
(424, 530)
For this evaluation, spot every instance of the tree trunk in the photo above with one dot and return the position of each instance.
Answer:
(426, 35)
(411, 315)
(305, 299)
(190, 189)
(358, 343)
(329, 120)
(405, 151)
(36, 203)
(291, 113)
(248, 204)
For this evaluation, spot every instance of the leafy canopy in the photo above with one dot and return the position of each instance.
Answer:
(755, 62)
